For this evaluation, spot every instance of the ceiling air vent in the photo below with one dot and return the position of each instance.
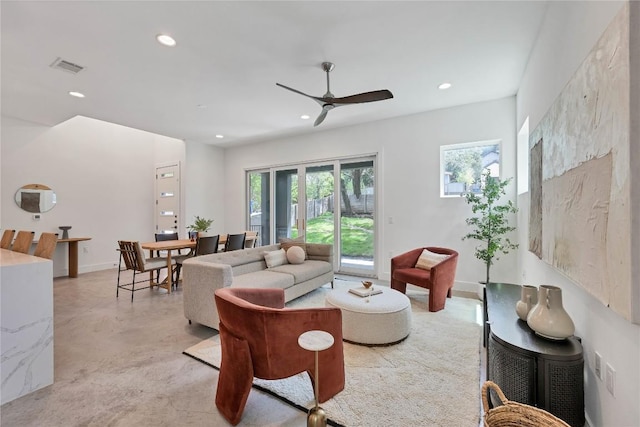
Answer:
(67, 66)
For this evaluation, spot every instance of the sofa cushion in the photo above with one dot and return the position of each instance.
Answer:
(428, 259)
(286, 243)
(236, 258)
(263, 279)
(275, 258)
(295, 255)
(412, 275)
(305, 271)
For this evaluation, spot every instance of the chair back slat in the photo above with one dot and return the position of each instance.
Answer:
(23, 242)
(46, 246)
(129, 251)
(7, 238)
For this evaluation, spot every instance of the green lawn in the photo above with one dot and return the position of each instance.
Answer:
(357, 234)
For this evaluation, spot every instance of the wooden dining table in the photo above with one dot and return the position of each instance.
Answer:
(169, 246)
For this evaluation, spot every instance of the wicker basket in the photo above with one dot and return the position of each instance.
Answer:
(514, 414)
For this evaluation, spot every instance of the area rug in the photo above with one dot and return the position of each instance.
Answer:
(431, 378)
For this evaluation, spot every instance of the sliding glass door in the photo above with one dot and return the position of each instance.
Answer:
(259, 204)
(357, 219)
(319, 218)
(287, 222)
(305, 205)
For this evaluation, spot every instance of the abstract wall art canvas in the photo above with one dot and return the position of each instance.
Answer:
(580, 217)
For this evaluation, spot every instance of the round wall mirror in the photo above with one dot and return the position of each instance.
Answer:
(35, 198)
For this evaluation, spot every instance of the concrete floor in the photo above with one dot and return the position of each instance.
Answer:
(119, 363)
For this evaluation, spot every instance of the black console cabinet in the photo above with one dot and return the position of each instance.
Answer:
(530, 369)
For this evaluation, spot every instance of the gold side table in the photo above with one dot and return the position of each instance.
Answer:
(316, 341)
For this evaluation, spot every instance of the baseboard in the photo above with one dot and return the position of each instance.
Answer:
(63, 272)
(465, 294)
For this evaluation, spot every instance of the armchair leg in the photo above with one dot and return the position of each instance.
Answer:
(236, 376)
(437, 298)
(399, 286)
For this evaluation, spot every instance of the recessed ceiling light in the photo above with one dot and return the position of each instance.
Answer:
(76, 94)
(444, 86)
(219, 136)
(166, 40)
(304, 117)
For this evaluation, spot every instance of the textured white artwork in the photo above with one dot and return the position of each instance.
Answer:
(585, 219)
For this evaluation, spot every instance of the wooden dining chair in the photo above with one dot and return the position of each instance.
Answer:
(46, 246)
(234, 242)
(163, 237)
(23, 242)
(7, 238)
(207, 245)
(251, 239)
(204, 246)
(133, 256)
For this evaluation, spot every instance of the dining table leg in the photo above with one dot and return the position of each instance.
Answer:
(169, 281)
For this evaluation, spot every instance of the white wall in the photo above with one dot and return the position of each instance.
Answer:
(568, 33)
(205, 190)
(408, 151)
(103, 176)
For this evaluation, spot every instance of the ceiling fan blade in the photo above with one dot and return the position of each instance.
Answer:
(378, 95)
(315, 98)
(323, 114)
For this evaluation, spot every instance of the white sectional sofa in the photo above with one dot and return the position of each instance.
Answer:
(247, 268)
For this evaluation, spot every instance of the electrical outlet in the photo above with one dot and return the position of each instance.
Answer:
(611, 379)
(599, 366)
(85, 250)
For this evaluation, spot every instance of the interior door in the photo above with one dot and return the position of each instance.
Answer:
(167, 198)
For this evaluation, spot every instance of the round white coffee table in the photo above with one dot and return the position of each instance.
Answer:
(385, 319)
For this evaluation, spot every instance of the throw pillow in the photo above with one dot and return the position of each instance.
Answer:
(295, 255)
(286, 243)
(275, 258)
(428, 259)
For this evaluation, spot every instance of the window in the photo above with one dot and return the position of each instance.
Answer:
(523, 158)
(462, 165)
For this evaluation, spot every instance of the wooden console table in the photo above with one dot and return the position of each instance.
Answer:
(73, 253)
(530, 369)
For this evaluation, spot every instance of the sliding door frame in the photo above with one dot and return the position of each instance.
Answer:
(301, 168)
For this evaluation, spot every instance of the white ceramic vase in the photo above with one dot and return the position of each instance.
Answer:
(528, 299)
(548, 318)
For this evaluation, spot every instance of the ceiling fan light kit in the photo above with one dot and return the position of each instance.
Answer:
(328, 101)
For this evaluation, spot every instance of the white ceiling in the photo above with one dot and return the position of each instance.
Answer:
(230, 54)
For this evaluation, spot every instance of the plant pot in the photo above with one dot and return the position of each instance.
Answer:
(548, 318)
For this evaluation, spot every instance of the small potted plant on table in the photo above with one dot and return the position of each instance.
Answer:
(199, 227)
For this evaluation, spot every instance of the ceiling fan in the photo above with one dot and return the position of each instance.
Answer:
(328, 102)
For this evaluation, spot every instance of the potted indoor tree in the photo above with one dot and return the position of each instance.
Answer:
(491, 223)
(199, 226)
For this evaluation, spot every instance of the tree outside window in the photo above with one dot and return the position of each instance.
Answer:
(462, 166)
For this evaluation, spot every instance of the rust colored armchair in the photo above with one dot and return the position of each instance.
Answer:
(439, 280)
(259, 338)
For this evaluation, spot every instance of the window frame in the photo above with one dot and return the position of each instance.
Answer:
(462, 146)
